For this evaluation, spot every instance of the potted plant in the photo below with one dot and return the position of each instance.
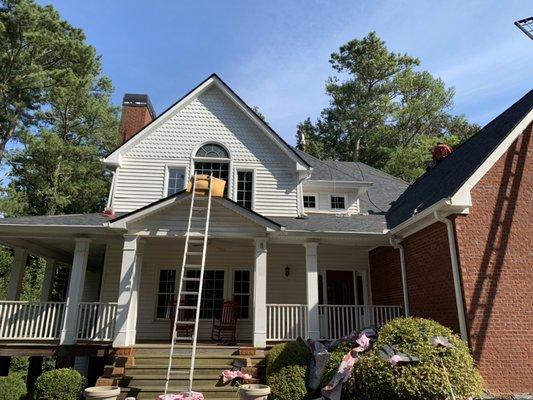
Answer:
(254, 392)
(102, 393)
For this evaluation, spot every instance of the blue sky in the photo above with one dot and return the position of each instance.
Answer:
(275, 54)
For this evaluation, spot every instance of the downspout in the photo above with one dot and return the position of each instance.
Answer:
(396, 244)
(456, 276)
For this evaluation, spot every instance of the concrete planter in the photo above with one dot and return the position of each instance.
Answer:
(102, 393)
(254, 392)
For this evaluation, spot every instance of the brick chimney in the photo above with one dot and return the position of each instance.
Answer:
(137, 112)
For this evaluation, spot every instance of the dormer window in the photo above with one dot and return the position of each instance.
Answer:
(309, 201)
(338, 202)
(213, 159)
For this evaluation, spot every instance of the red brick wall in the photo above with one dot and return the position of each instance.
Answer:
(429, 275)
(495, 247)
(134, 118)
(385, 276)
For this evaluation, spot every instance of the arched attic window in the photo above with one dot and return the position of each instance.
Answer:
(218, 167)
(212, 150)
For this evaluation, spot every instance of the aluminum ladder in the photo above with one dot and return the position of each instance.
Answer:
(195, 237)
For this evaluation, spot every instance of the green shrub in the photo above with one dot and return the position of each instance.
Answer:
(12, 387)
(59, 384)
(375, 378)
(287, 371)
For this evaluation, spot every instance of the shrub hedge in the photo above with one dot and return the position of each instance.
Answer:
(287, 371)
(59, 384)
(439, 368)
(12, 387)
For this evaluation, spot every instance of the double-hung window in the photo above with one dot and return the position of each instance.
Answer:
(338, 203)
(165, 292)
(241, 292)
(175, 180)
(212, 292)
(245, 184)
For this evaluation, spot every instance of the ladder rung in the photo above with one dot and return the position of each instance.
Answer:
(198, 218)
(201, 208)
(196, 241)
(194, 253)
(185, 322)
(191, 279)
(196, 234)
(187, 307)
(192, 293)
(184, 338)
(193, 266)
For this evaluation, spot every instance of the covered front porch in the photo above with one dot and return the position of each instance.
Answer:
(123, 277)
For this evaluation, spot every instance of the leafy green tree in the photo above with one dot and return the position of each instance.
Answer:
(39, 53)
(383, 110)
(57, 170)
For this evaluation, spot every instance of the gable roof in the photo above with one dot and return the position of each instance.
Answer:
(114, 156)
(183, 194)
(378, 197)
(447, 178)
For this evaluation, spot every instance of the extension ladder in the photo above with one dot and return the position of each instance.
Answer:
(195, 250)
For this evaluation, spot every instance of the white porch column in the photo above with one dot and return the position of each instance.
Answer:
(135, 293)
(311, 264)
(260, 276)
(75, 291)
(124, 327)
(16, 275)
(48, 279)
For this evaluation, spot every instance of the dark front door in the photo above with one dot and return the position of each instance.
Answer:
(340, 288)
(339, 321)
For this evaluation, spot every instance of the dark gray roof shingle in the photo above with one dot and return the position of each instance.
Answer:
(445, 179)
(334, 223)
(89, 220)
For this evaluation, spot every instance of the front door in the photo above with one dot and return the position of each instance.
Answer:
(340, 321)
(340, 288)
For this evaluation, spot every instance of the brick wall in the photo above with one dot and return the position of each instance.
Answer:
(429, 276)
(495, 247)
(385, 276)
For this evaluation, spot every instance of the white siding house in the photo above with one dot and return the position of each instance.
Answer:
(290, 226)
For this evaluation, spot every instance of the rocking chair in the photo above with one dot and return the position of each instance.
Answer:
(184, 330)
(227, 321)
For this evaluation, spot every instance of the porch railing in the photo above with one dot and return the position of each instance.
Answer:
(96, 321)
(337, 321)
(22, 320)
(286, 321)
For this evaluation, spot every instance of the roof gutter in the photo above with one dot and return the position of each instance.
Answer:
(456, 277)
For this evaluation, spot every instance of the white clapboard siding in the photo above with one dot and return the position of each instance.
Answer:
(211, 117)
(172, 221)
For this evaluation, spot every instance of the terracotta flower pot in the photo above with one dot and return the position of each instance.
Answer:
(102, 393)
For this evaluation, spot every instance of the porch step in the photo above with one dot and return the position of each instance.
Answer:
(212, 368)
(151, 392)
(184, 361)
(202, 351)
(180, 378)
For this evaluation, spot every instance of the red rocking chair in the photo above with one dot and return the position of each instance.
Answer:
(183, 330)
(227, 321)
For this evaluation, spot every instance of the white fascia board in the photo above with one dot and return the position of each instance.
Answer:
(464, 191)
(115, 157)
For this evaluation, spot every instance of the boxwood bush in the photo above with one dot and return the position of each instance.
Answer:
(287, 371)
(439, 368)
(59, 384)
(12, 387)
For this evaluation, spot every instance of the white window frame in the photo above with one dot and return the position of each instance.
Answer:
(317, 201)
(250, 290)
(170, 166)
(331, 195)
(228, 161)
(236, 181)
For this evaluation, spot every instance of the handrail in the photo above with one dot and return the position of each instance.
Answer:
(24, 320)
(96, 321)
